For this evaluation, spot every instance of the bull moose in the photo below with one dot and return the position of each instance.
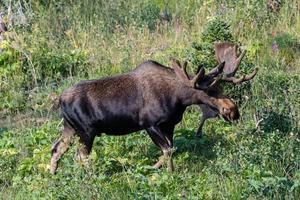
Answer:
(225, 52)
(151, 97)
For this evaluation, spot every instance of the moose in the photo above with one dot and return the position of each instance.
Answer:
(152, 97)
(224, 52)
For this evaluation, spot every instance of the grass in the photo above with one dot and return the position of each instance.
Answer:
(65, 42)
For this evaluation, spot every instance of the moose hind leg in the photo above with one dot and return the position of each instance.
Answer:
(84, 150)
(61, 146)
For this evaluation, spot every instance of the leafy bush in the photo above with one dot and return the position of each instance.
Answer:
(51, 65)
(21, 72)
(202, 53)
(217, 30)
(147, 16)
(11, 80)
(285, 47)
(278, 99)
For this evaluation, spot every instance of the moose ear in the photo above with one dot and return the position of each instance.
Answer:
(199, 75)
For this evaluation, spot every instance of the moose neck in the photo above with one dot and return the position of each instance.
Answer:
(195, 96)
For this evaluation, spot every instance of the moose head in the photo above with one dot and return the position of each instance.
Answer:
(208, 83)
(226, 53)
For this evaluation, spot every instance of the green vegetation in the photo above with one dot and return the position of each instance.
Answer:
(70, 40)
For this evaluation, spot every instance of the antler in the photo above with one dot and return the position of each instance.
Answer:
(206, 82)
(181, 72)
(241, 79)
(227, 52)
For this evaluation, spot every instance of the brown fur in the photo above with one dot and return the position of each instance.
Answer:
(151, 97)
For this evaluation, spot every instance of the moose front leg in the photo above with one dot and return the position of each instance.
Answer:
(167, 158)
(199, 131)
(162, 136)
(207, 113)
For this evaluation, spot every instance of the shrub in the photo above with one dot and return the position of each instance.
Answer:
(285, 47)
(21, 72)
(277, 98)
(201, 53)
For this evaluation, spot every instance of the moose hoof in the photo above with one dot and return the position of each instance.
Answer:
(158, 165)
(82, 157)
(52, 171)
(170, 168)
(199, 135)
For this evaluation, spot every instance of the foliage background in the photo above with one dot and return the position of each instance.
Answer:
(51, 45)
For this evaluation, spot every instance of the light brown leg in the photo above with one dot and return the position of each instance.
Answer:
(166, 158)
(159, 162)
(60, 147)
(162, 136)
(85, 148)
(168, 154)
